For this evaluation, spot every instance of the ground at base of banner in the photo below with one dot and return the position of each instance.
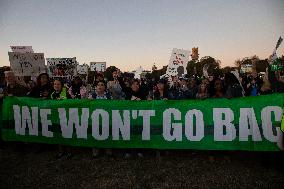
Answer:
(35, 166)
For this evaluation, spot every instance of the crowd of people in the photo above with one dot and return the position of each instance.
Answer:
(125, 88)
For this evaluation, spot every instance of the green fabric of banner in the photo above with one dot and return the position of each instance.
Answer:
(131, 111)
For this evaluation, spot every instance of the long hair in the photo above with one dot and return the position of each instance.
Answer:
(165, 90)
(206, 88)
(74, 85)
(38, 82)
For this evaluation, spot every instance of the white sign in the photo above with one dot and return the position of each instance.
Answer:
(138, 72)
(27, 64)
(22, 49)
(98, 66)
(82, 69)
(62, 67)
(178, 62)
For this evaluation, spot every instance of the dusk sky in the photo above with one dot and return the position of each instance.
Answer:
(130, 33)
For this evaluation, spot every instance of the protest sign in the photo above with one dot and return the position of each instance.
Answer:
(273, 57)
(27, 64)
(82, 69)
(62, 67)
(277, 65)
(98, 66)
(251, 123)
(22, 49)
(178, 62)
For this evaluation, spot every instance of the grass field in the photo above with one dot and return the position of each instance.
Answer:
(24, 166)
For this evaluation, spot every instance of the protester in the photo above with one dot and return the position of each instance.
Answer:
(100, 93)
(276, 80)
(252, 87)
(77, 89)
(185, 88)
(192, 88)
(133, 92)
(161, 92)
(13, 88)
(202, 91)
(266, 86)
(233, 87)
(205, 81)
(174, 86)
(42, 88)
(60, 91)
(182, 90)
(115, 85)
(99, 77)
(28, 82)
(218, 89)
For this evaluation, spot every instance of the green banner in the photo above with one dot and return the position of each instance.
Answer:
(250, 123)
